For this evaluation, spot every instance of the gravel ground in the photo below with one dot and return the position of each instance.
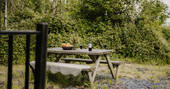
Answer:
(127, 83)
(105, 81)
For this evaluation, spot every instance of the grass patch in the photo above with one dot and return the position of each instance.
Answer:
(64, 81)
(55, 81)
(58, 81)
(144, 72)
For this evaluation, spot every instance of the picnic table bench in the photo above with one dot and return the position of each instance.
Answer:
(95, 58)
(88, 61)
(67, 69)
(115, 64)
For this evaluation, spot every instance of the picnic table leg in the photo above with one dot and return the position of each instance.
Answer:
(117, 67)
(48, 56)
(96, 66)
(58, 57)
(109, 64)
(94, 58)
(90, 74)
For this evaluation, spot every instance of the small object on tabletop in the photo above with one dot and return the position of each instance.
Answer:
(90, 46)
(67, 46)
(81, 46)
(105, 46)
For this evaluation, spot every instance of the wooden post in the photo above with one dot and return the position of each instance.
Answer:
(41, 54)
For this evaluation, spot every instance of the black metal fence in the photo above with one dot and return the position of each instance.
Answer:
(40, 58)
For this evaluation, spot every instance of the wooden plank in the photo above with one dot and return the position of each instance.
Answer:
(96, 67)
(109, 65)
(90, 75)
(89, 61)
(77, 60)
(79, 51)
(66, 65)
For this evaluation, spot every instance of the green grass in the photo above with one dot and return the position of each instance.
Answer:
(144, 72)
(58, 81)
(67, 80)
(53, 80)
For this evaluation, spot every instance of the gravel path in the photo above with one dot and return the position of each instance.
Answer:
(105, 82)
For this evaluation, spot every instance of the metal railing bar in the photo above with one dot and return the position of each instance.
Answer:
(16, 32)
(27, 61)
(40, 57)
(10, 57)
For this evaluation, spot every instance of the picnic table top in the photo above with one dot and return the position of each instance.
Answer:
(79, 51)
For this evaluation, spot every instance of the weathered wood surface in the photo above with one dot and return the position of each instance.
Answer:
(110, 65)
(95, 56)
(79, 51)
(115, 64)
(89, 61)
(97, 63)
(53, 66)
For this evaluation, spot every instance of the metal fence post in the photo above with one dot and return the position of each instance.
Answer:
(10, 58)
(27, 51)
(41, 54)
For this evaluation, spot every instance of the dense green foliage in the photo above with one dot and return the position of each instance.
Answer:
(166, 32)
(128, 26)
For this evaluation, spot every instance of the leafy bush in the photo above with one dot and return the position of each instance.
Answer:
(166, 32)
(127, 26)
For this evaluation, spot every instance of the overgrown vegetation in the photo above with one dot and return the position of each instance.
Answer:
(166, 33)
(129, 26)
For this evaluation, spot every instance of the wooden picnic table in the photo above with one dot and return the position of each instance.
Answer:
(95, 55)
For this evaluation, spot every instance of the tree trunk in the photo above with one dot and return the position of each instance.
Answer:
(54, 4)
(5, 18)
(60, 6)
(132, 15)
(65, 1)
(43, 6)
(0, 13)
(22, 4)
(11, 6)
